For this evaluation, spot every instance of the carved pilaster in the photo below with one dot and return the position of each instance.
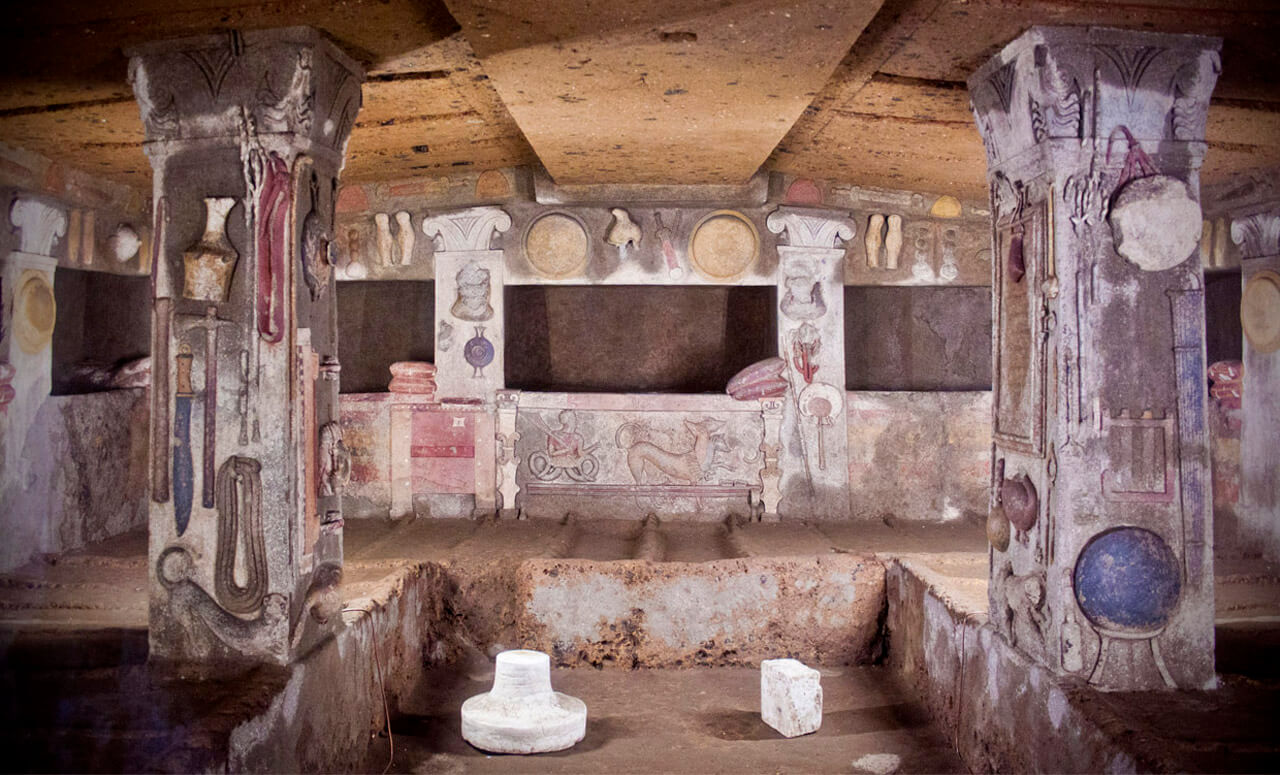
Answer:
(815, 447)
(28, 313)
(1094, 139)
(508, 402)
(1255, 228)
(771, 412)
(469, 278)
(246, 134)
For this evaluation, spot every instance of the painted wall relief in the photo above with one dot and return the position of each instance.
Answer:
(803, 299)
(317, 261)
(1128, 584)
(1019, 347)
(209, 264)
(613, 447)
(624, 233)
(1154, 219)
(478, 352)
(473, 295)
(567, 453)
(806, 344)
(556, 245)
(651, 462)
(821, 403)
(723, 245)
(667, 237)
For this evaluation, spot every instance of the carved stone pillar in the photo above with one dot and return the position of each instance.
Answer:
(1102, 561)
(815, 439)
(246, 134)
(1256, 229)
(27, 316)
(470, 323)
(469, 279)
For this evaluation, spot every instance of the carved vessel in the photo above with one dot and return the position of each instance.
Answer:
(209, 264)
(478, 351)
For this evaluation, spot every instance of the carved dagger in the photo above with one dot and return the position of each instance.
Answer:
(183, 475)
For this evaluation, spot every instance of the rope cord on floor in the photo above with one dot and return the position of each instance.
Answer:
(382, 686)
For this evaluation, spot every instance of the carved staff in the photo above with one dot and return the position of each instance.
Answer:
(183, 475)
(210, 322)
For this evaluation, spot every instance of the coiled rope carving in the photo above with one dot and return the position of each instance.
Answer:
(239, 504)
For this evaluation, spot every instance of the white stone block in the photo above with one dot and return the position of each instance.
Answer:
(790, 696)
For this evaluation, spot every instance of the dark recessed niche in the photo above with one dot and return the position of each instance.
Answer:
(103, 321)
(1224, 337)
(917, 338)
(635, 338)
(380, 323)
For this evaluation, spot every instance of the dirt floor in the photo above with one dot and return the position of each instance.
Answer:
(77, 693)
(679, 721)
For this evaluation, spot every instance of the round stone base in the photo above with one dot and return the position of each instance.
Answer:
(549, 722)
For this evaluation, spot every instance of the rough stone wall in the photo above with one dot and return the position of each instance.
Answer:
(919, 456)
(1005, 713)
(84, 465)
(729, 612)
(333, 699)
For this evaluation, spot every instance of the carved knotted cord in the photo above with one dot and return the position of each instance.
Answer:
(239, 504)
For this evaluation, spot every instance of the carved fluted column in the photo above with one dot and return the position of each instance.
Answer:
(246, 134)
(1255, 227)
(1101, 524)
(815, 441)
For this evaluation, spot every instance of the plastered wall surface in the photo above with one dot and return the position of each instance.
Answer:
(919, 456)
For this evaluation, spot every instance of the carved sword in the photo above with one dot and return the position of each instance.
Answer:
(210, 322)
(183, 475)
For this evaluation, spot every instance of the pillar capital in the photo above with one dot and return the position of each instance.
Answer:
(290, 86)
(1079, 84)
(40, 225)
(466, 230)
(811, 230)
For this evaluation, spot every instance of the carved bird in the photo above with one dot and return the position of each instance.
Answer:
(623, 230)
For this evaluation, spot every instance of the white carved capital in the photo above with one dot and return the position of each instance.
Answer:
(805, 230)
(470, 229)
(1257, 235)
(40, 224)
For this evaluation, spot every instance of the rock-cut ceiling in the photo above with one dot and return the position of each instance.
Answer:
(870, 92)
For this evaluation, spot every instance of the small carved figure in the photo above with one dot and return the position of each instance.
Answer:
(473, 294)
(317, 265)
(874, 239)
(382, 223)
(893, 241)
(444, 336)
(335, 460)
(565, 452)
(623, 231)
(405, 238)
